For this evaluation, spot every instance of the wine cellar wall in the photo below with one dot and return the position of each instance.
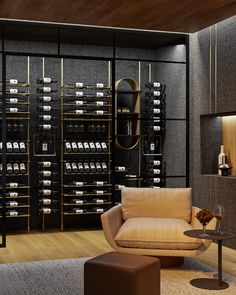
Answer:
(78, 130)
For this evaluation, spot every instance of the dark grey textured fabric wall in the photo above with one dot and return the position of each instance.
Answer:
(212, 91)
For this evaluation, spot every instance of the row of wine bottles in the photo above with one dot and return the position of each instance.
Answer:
(15, 168)
(82, 85)
(92, 192)
(87, 147)
(86, 167)
(81, 127)
(14, 147)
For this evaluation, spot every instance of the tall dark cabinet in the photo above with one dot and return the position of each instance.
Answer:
(100, 109)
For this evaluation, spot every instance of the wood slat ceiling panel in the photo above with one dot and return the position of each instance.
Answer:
(165, 15)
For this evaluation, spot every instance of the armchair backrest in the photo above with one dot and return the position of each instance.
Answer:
(156, 203)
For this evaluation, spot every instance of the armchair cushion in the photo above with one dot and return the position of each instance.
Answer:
(156, 233)
(157, 203)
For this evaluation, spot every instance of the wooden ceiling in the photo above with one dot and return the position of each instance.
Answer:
(165, 15)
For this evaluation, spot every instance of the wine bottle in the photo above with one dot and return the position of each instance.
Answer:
(74, 147)
(119, 186)
(46, 173)
(78, 193)
(104, 147)
(99, 192)
(153, 85)
(156, 162)
(45, 90)
(45, 182)
(100, 183)
(12, 184)
(80, 167)
(98, 210)
(78, 201)
(80, 146)
(80, 102)
(98, 201)
(12, 100)
(13, 90)
(12, 213)
(45, 108)
(68, 147)
(153, 93)
(47, 192)
(46, 117)
(78, 211)
(12, 194)
(22, 147)
(45, 80)
(21, 127)
(92, 167)
(98, 167)
(104, 167)
(120, 168)
(45, 127)
(9, 147)
(45, 210)
(47, 201)
(16, 168)
(99, 94)
(9, 168)
(100, 103)
(100, 112)
(12, 110)
(74, 167)
(12, 81)
(86, 147)
(68, 167)
(79, 183)
(46, 164)
(45, 99)
(92, 147)
(221, 159)
(79, 93)
(99, 85)
(12, 203)
(16, 147)
(0, 147)
(22, 168)
(86, 167)
(98, 146)
(79, 84)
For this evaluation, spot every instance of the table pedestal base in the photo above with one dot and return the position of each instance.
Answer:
(210, 284)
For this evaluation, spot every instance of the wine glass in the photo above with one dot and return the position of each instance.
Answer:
(219, 214)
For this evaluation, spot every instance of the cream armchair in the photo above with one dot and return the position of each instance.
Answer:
(152, 221)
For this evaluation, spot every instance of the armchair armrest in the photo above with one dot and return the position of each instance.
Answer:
(111, 223)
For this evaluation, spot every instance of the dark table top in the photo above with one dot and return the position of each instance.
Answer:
(210, 235)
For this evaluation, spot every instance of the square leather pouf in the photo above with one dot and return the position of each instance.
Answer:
(116, 273)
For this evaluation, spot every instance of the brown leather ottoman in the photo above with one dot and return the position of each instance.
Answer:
(116, 273)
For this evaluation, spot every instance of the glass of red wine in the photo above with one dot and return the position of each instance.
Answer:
(219, 214)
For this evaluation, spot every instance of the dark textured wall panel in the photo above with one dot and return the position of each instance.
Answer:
(176, 182)
(31, 47)
(226, 66)
(86, 50)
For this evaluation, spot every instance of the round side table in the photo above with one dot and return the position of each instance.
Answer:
(205, 283)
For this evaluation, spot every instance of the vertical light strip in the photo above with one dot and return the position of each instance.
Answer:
(150, 73)
(62, 144)
(28, 143)
(109, 73)
(215, 68)
(210, 64)
(43, 67)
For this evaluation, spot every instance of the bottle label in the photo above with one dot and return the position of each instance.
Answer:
(46, 201)
(99, 112)
(47, 98)
(46, 210)
(156, 93)
(47, 108)
(79, 192)
(13, 184)
(46, 164)
(156, 111)
(47, 80)
(156, 84)
(78, 201)
(13, 194)
(47, 127)
(156, 171)
(13, 90)
(99, 85)
(79, 111)
(156, 162)
(47, 89)
(79, 93)
(99, 209)
(47, 192)
(13, 81)
(99, 94)
(99, 183)
(47, 173)
(121, 168)
(79, 102)
(99, 192)
(44, 146)
(46, 182)
(156, 102)
(79, 84)
(47, 117)
(13, 213)
(152, 147)
(13, 110)
(99, 103)
(156, 128)
(156, 180)
(120, 186)
(79, 183)
(13, 100)
(78, 211)
(13, 203)
(99, 201)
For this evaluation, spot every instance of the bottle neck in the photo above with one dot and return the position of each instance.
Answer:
(222, 149)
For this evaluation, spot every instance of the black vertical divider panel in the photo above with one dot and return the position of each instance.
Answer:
(90, 70)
